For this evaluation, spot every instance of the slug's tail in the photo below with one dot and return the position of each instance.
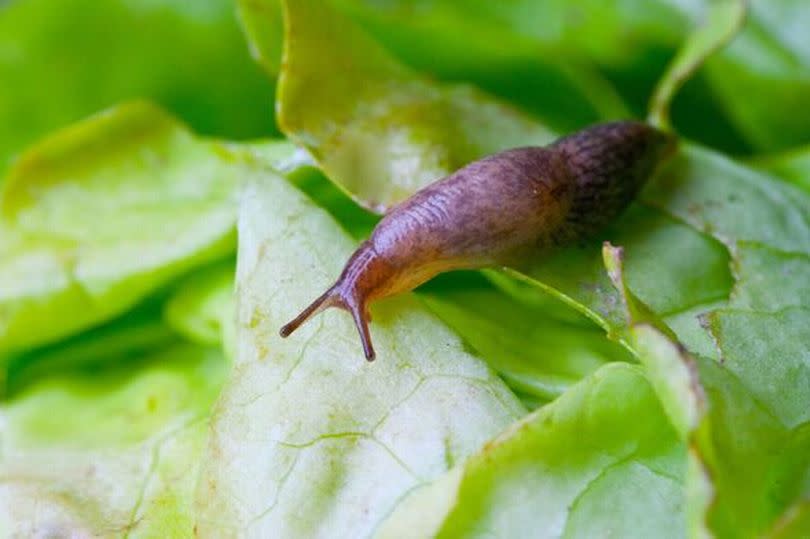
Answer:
(334, 298)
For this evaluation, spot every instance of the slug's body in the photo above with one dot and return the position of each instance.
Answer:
(495, 211)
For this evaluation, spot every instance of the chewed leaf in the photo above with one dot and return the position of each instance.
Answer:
(378, 129)
(550, 474)
(701, 216)
(770, 280)
(308, 438)
(660, 268)
(671, 371)
(745, 419)
(101, 214)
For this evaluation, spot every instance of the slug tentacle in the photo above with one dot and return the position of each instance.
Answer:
(324, 301)
(351, 292)
(361, 320)
(497, 211)
(334, 298)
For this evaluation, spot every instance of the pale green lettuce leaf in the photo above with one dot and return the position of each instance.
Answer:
(309, 439)
(340, 93)
(712, 209)
(669, 265)
(731, 202)
(103, 213)
(535, 353)
(279, 154)
(663, 265)
(768, 279)
(201, 306)
(126, 338)
(601, 457)
(749, 423)
(768, 352)
(109, 452)
(61, 60)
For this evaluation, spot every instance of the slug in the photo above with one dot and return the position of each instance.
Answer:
(496, 211)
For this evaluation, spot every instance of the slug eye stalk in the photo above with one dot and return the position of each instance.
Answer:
(333, 298)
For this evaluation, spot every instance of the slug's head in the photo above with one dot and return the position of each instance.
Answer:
(352, 292)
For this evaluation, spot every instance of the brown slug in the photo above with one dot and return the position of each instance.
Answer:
(495, 211)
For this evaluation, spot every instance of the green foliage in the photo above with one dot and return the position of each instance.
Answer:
(61, 60)
(103, 213)
(146, 391)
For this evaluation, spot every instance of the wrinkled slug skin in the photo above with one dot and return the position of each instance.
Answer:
(497, 210)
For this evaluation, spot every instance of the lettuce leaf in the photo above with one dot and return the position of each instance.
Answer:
(770, 60)
(121, 453)
(708, 248)
(102, 214)
(536, 353)
(201, 307)
(552, 473)
(791, 166)
(307, 437)
(339, 92)
(744, 423)
(63, 60)
(629, 43)
(116, 274)
(455, 45)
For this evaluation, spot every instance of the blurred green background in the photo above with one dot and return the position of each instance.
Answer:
(568, 63)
